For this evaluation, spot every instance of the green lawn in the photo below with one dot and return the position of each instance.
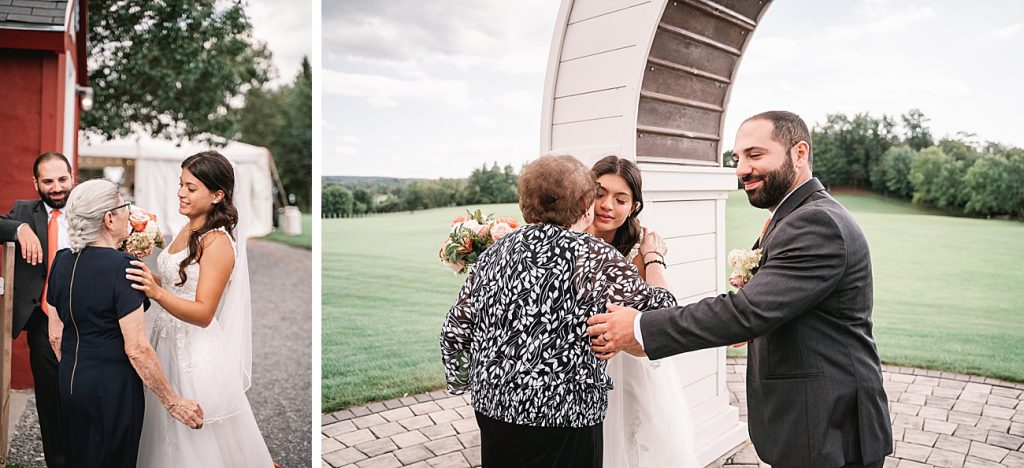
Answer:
(302, 241)
(947, 293)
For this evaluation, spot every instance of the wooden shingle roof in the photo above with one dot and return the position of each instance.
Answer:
(15, 13)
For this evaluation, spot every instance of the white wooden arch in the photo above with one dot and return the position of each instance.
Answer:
(649, 80)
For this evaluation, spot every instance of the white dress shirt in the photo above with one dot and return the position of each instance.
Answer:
(63, 238)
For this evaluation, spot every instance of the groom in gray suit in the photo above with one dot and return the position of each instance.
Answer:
(814, 382)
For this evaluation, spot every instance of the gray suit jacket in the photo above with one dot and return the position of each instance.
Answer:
(28, 279)
(814, 382)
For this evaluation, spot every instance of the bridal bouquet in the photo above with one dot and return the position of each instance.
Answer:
(144, 236)
(743, 263)
(470, 236)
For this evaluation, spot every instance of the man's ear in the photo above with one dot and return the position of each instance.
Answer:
(800, 153)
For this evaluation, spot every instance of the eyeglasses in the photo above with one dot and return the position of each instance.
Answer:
(118, 207)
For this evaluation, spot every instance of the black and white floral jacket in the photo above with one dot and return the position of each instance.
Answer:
(516, 336)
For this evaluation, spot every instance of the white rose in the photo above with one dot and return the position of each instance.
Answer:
(472, 225)
(499, 230)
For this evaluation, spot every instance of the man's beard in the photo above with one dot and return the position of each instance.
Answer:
(774, 186)
(55, 204)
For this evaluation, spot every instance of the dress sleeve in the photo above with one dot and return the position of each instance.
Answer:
(624, 284)
(127, 298)
(457, 338)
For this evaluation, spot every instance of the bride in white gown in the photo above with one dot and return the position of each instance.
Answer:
(202, 329)
(648, 422)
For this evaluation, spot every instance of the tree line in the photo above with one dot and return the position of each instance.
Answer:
(344, 197)
(901, 159)
(898, 158)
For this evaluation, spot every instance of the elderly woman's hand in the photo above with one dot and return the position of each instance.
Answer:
(188, 412)
(144, 279)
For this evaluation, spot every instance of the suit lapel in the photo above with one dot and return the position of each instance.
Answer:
(39, 222)
(795, 200)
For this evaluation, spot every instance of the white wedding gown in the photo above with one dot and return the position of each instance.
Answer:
(199, 365)
(648, 423)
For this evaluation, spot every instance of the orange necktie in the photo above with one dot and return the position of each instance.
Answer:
(764, 228)
(51, 251)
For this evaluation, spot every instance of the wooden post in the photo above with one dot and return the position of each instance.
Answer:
(6, 311)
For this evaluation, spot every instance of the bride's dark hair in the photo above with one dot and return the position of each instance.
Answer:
(627, 235)
(216, 173)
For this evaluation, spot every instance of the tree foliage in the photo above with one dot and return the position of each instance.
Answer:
(485, 185)
(281, 120)
(172, 68)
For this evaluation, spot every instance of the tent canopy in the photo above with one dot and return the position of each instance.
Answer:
(158, 166)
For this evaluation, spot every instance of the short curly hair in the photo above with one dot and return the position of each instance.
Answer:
(556, 190)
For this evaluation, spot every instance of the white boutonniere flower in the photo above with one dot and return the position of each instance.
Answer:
(743, 264)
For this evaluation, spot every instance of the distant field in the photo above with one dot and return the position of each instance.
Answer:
(947, 293)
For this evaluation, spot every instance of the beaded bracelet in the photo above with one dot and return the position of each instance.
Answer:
(646, 264)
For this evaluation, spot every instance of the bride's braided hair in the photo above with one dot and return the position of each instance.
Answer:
(87, 204)
(216, 173)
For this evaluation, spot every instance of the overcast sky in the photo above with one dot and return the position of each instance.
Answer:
(434, 89)
(285, 25)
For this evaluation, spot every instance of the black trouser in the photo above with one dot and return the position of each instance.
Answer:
(44, 371)
(511, 445)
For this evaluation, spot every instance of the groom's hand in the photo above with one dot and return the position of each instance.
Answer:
(613, 332)
(31, 249)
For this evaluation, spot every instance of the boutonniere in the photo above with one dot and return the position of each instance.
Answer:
(743, 264)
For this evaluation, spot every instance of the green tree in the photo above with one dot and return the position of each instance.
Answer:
(336, 202)
(362, 201)
(847, 150)
(172, 68)
(915, 130)
(925, 173)
(894, 171)
(990, 188)
(282, 120)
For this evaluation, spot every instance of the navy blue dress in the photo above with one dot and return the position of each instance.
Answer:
(101, 396)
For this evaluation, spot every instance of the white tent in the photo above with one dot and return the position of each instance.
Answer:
(157, 166)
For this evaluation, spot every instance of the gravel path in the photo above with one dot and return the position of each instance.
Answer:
(282, 359)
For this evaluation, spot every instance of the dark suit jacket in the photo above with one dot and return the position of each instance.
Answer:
(814, 382)
(28, 279)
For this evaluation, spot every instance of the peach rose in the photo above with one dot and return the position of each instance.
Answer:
(500, 229)
(511, 222)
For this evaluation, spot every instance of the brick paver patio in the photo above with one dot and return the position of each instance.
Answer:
(940, 419)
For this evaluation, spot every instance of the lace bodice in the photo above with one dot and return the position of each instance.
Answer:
(167, 266)
(167, 326)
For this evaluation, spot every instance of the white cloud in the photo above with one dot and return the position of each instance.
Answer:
(345, 150)
(350, 139)
(286, 27)
(386, 91)
(500, 35)
(882, 22)
(1008, 32)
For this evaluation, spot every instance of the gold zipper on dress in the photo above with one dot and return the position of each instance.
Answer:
(71, 312)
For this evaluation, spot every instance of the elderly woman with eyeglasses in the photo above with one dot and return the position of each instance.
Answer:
(98, 333)
(516, 336)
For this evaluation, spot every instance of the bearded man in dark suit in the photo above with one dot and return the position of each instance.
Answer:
(814, 381)
(30, 224)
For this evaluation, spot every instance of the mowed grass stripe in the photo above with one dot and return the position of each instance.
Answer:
(947, 293)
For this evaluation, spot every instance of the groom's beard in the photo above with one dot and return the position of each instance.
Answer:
(775, 185)
(55, 204)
